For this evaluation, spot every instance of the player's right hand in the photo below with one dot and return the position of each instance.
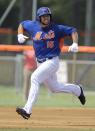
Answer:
(22, 38)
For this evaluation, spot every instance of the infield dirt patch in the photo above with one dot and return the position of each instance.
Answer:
(67, 118)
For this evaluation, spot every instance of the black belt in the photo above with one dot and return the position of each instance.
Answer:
(44, 59)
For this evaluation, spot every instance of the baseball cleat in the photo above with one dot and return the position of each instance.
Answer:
(82, 96)
(23, 113)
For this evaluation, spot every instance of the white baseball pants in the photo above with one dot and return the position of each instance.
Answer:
(46, 73)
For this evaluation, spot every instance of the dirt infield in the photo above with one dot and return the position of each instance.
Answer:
(67, 118)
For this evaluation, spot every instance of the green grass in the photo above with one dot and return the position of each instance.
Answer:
(9, 97)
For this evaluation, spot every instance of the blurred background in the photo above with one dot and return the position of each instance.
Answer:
(77, 13)
(78, 67)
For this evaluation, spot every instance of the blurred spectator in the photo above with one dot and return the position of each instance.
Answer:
(29, 66)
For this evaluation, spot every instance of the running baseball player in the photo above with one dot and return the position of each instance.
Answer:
(46, 36)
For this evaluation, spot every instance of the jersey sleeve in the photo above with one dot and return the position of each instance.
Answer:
(66, 30)
(26, 25)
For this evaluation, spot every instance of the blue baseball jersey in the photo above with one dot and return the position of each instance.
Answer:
(46, 40)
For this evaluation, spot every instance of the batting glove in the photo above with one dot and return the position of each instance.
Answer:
(73, 47)
(22, 38)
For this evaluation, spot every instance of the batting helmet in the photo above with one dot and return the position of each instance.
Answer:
(43, 11)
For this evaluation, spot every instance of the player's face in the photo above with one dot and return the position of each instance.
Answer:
(45, 20)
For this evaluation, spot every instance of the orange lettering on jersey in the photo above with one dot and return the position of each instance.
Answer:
(50, 35)
(38, 36)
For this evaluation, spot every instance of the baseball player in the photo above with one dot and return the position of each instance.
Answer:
(46, 36)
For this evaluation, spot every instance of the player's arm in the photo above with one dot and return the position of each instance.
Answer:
(75, 37)
(70, 31)
(21, 37)
(74, 46)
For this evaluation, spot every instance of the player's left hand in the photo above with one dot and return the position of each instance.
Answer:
(73, 47)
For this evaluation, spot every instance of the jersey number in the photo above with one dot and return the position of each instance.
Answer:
(50, 44)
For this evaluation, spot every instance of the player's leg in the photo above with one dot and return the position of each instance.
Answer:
(42, 73)
(57, 87)
(53, 84)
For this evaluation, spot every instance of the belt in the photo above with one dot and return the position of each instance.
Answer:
(44, 59)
